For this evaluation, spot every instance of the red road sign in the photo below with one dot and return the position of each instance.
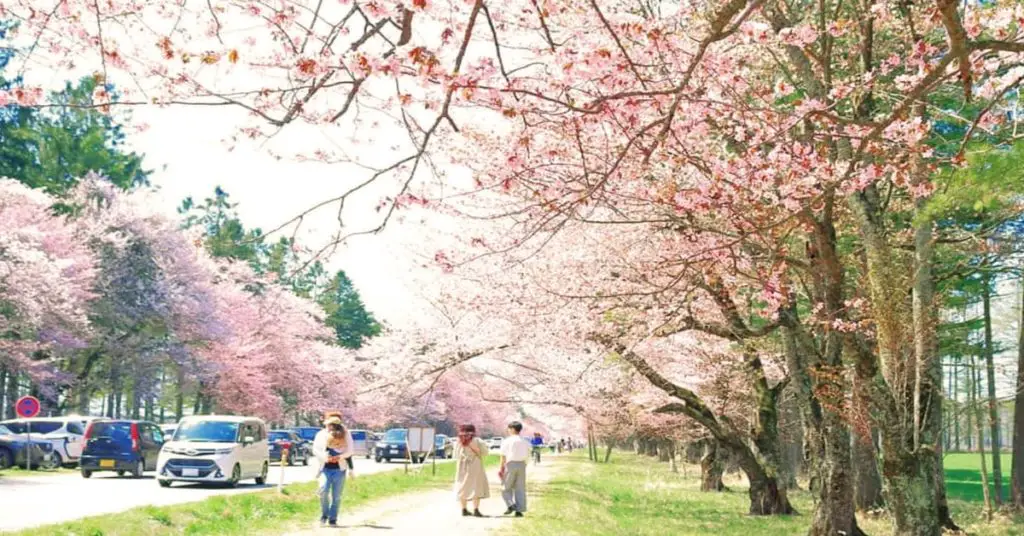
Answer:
(27, 407)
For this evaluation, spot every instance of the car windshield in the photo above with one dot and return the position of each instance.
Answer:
(395, 436)
(207, 431)
(113, 430)
(38, 427)
(279, 436)
(5, 430)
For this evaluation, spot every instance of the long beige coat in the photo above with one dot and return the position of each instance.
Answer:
(470, 478)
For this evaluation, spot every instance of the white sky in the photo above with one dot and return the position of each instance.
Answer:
(184, 147)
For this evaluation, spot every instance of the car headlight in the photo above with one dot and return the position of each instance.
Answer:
(219, 452)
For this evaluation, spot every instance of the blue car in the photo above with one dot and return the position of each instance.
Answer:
(15, 451)
(121, 446)
(298, 450)
(393, 446)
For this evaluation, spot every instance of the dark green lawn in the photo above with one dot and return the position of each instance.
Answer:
(963, 476)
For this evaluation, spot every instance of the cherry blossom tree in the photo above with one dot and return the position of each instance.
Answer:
(747, 143)
(46, 275)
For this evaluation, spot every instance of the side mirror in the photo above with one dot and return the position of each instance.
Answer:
(248, 440)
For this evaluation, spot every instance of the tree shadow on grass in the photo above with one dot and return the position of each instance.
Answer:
(965, 485)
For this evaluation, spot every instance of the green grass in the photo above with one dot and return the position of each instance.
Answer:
(963, 475)
(266, 512)
(636, 496)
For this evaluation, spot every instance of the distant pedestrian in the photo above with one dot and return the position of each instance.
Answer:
(332, 447)
(470, 478)
(515, 451)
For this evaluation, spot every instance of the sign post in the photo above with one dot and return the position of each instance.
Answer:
(27, 407)
(280, 478)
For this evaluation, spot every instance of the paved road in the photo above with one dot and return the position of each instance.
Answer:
(30, 501)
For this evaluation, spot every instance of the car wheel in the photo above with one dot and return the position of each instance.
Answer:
(164, 483)
(6, 459)
(86, 473)
(120, 473)
(377, 459)
(53, 462)
(262, 479)
(236, 475)
(140, 468)
(291, 460)
(305, 460)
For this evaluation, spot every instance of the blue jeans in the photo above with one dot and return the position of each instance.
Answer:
(332, 483)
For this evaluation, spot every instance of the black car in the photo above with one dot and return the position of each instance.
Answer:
(299, 451)
(122, 446)
(15, 450)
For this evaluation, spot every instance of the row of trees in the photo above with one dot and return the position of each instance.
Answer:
(678, 210)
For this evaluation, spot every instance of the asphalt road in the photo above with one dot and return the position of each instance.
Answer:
(30, 501)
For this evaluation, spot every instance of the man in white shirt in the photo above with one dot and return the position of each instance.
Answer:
(515, 451)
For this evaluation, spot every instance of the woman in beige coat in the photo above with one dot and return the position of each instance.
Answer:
(470, 478)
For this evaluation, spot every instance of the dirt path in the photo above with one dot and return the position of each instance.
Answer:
(431, 512)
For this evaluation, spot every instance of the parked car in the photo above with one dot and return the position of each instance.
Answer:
(122, 446)
(364, 442)
(16, 450)
(494, 443)
(215, 449)
(443, 447)
(65, 434)
(299, 451)
(392, 446)
(307, 433)
(168, 430)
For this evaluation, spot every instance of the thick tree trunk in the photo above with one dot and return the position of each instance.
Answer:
(608, 453)
(663, 451)
(712, 467)
(867, 483)
(911, 383)
(1017, 462)
(993, 405)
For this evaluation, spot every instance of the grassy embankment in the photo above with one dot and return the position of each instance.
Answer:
(637, 496)
(266, 512)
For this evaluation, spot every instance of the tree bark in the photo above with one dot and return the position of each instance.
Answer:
(976, 407)
(608, 453)
(908, 448)
(867, 483)
(712, 467)
(1017, 461)
(993, 405)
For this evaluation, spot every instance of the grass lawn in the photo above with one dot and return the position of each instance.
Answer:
(263, 512)
(637, 496)
(963, 475)
(21, 472)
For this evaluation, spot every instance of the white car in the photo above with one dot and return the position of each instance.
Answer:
(215, 449)
(66, 434)
(494, 442)
(168, 429)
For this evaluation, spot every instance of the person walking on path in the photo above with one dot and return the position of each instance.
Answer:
(515, 451)
(470, 478)
(332, 446)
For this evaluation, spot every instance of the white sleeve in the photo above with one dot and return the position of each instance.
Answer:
(349, 446)
(320, 446)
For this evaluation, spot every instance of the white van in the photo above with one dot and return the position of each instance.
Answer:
(216, 449)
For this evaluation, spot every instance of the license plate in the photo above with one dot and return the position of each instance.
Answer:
(190, 472)
(106, 463)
